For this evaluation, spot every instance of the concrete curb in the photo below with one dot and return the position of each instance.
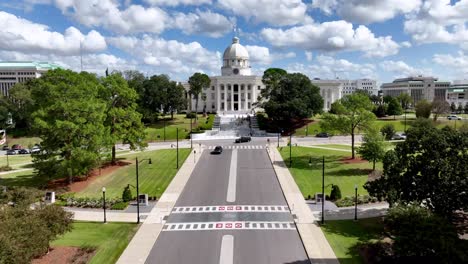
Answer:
(140, 246)
(316, 245)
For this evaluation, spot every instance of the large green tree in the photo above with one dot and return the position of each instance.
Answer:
(22, 104)
(153, 96)
(293, 97)
(4, 112)
(70, 120)
(394, 108)
(175, 100)
(430, 167)
(404, 100)
(423, 109)
(198, 82)
(123, 122)
(271, 79)
(373, 146)
(355, 114)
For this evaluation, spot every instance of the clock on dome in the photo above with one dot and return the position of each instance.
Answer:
(235, 71)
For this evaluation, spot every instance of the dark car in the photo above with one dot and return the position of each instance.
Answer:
(217, 150)
(5, 147)
(16, 147)
(11, 152)
(243, 139)
(323, 135)
(23, 151)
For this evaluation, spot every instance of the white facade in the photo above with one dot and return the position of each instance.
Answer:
(236, 90)
(351, 86)
(330, 90)
(458, 93)
(418, 88)
(12, 73)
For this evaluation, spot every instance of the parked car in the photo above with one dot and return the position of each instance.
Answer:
(35, 149)
(453, 117)
(323, 135)
(399, 136)
(23, 151)
(243, 139)
(11, 152)
(16, 147)
(217, 150)
(5, 147)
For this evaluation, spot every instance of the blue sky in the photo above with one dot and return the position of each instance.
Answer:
(381, 39)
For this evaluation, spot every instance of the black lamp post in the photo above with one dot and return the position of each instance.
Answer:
(104, 203)
(307, 129)
(137, 187)
(355, 202)
(191, 147)
(279, 132)
(323, 190)
(164, 129)
(177, 146)
(290, 150)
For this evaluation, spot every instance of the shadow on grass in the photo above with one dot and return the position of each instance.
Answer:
(28, 180)
(352, 172)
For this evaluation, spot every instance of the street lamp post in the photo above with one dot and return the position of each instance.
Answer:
(164, 129)
(355, 202)
(323, 190)
(104, 203)
(137, 186)
(194, 156)
(307, 129)
(279, 132)
(191, 146)
(290, 150)
(177, 146)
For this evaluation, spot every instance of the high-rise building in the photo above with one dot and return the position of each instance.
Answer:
(419, 88)
(458, 93)
(351, 86)
(13, 72)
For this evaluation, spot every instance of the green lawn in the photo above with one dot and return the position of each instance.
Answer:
(22, 178)
(345, 235)
(16, 161)
(337, 146)
(110, 239)
(309, 178)
(153, 179)
(155, 132)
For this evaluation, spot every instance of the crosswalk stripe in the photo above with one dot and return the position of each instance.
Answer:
(230, 208)
(205, 226)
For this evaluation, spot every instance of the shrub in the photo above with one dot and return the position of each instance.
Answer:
(335, 193)
(127, 194)
(388, 131)
(5, 168)
(190, 115)
(119, 206)
(349, 201)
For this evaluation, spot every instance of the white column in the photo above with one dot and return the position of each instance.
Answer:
(218, 97)
(246, 92)
(232, 97)
(254, 92)
(225, 97)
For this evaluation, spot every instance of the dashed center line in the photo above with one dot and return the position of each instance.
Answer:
(226, 255)
(231, 191)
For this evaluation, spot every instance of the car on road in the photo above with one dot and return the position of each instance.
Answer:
(217, 150)
(399, 136)
(454, 117)
(5, 147)
(11, 152)
(23, 151)
(16, 147)
(35, 149)
(322, 135)
(243, 139)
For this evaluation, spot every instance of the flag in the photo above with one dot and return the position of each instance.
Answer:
(107, 72)
(2, 137)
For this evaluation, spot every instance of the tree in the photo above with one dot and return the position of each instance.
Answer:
(271, 79)
(336, 108)
(294, 97)
(22, 104)
(122, 119)
(127, 194)
(197, 82)
(335, 193)
(153, 96)
(423, 109)
(405, 100)
(175, 98)
(453, 107)
(466, 108)
(388, 130)
(439, 107)
(430, 167)
(380, 110)
(357, 115)
(70, 121)
(394, 107)
(460, 108)
(373, 147)
(4, 112)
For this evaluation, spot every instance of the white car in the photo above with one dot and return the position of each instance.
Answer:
(454, 117)
(399, 136)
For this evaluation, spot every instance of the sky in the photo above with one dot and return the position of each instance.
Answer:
(347, 39)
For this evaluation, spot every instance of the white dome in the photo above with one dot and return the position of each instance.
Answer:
(235, 51)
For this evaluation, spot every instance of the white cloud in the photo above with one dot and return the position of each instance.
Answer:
(439, 21)
(18, 34)
(308, 55)
(457, 66)
(327, 67)
(274, 12)
(262, 55)
(332, 36)
(106, 13)
(366, 11)
(401, 69)
(406, 44)
(177, 2)
(170, 56)
(205, 23)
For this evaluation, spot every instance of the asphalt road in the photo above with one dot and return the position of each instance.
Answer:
(255, 226)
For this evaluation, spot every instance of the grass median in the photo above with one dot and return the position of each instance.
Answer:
(153, 178)
(109, 240)
(338, 170)
(155, 132)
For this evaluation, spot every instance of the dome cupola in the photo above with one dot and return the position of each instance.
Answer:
(235, 60)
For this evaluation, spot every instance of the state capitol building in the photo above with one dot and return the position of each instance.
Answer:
(236, 90)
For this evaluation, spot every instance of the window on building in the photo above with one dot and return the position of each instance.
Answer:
(222, 96)
(259, 87)
(212, 88)
(248, 96)
(212, 96)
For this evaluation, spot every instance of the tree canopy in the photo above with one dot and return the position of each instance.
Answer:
(355, 114)
(197, 82)
(430, 167)
(423, 109)
(289, 96)
(373, 147)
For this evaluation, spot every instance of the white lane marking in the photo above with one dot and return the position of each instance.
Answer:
(207, 226)
(230, 209)
(231, 192)
(226, 256)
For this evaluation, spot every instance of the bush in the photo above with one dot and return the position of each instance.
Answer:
(349, 201)
(119, 206)
(335, 193)
(388, 131)
(5, 168)
(86, 202)
(190, 115)
(127, 194)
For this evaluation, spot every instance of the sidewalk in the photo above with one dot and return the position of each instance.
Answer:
(347, 213)
(139, 248)
(97, 215)
(316, 245)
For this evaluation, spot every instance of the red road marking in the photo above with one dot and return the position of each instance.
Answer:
(228, 225)
(230, 208)
(238, 225)
(221, 208)
(219, 225)
(238, 207)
